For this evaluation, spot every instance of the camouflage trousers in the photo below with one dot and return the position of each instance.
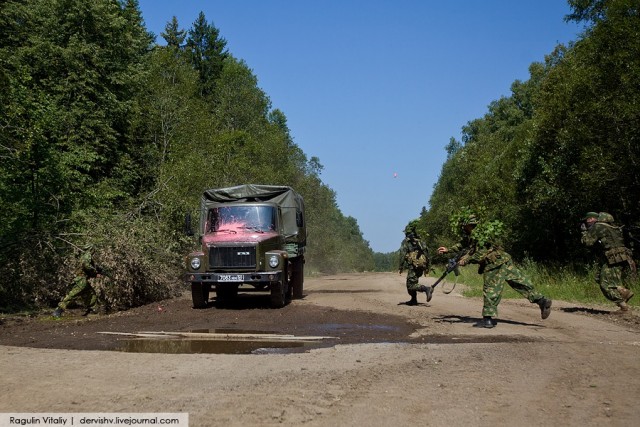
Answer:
(494, 280)
(413, 275)
(609, 277)
(81, 290)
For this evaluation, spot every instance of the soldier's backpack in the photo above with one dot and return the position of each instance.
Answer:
(605, 217)
(629, 233)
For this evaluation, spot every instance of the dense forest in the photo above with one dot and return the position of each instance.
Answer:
(565, 142)
(108, 138)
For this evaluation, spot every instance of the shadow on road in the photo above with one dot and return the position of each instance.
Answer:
(584, 310)
(469, 319)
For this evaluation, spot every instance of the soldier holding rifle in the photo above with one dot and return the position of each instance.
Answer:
(415, 259)
(497, 268)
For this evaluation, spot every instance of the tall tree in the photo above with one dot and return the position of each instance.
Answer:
(72, 71)
(586, 151)
(173, 35)
(207, 51)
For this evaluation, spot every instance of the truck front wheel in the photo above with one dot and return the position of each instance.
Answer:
(199, 294)
(278, 294)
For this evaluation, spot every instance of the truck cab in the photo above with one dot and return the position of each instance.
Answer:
(252, 239)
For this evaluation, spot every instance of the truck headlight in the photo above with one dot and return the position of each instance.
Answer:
(274, 260)
(195, 263)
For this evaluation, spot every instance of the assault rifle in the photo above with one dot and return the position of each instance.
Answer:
(629, 233)
(452, 265)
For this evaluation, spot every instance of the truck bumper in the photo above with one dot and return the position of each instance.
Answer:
(238, 278)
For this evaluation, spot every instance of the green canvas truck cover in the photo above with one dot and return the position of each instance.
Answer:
(289, 201)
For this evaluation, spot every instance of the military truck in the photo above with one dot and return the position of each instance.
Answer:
(252, 238)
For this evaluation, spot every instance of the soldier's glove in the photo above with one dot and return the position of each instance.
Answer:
(583, 227)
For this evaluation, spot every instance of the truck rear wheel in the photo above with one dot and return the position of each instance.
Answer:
(199, 294)
(297, 277)
(289, 294)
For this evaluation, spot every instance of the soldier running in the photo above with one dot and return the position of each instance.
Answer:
(497, 269)
(617, 269)
(414, 257)
(82, 289)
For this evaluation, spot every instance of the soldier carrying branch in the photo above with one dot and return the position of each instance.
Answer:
(82, 289)
(497, 268)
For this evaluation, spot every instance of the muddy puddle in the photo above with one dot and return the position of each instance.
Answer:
(192, 346)
(220, 341)
(233, 341)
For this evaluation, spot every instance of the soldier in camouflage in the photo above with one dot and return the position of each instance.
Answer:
(414, 257)
(617, 269)
(497, 269)
(82, 289)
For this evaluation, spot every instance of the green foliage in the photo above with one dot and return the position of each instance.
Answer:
(173, 35)
(108, 139)
(488, 232)
(484, 232)
(585, 152)
(206, 50)
(33, 275)
(458, 219)
(134, 254)
(68, 119)
(335, 241)
(563, 143)
(386, 261)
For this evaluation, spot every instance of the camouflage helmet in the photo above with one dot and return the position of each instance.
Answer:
(591, 215)
(605, 217)
(411, 227)
(470, 219)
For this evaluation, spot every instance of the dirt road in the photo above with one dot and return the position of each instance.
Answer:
(385, 364)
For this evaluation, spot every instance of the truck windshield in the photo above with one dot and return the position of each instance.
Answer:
(235, 219)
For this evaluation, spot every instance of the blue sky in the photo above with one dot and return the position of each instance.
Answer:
(377, 88)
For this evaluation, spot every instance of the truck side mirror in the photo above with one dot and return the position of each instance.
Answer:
(188, 230)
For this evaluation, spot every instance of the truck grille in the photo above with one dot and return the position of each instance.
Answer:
(232, 256)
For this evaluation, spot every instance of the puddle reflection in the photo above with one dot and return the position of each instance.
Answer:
(215, 345)
(188, 346)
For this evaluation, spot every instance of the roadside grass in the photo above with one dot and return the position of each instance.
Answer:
(566, 283)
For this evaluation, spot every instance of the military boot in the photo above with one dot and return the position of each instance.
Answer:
(623, 307)
(90, 310)
(625, 293)
(427, 290)
(486, 322)
(545, 307)
(414, 298)
(57, 312)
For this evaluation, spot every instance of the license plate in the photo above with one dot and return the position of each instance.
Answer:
(230, 277)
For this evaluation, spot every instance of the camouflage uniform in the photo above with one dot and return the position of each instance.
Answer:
(497, 269)
(617, 269)
(82, 289)
(414, 257)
